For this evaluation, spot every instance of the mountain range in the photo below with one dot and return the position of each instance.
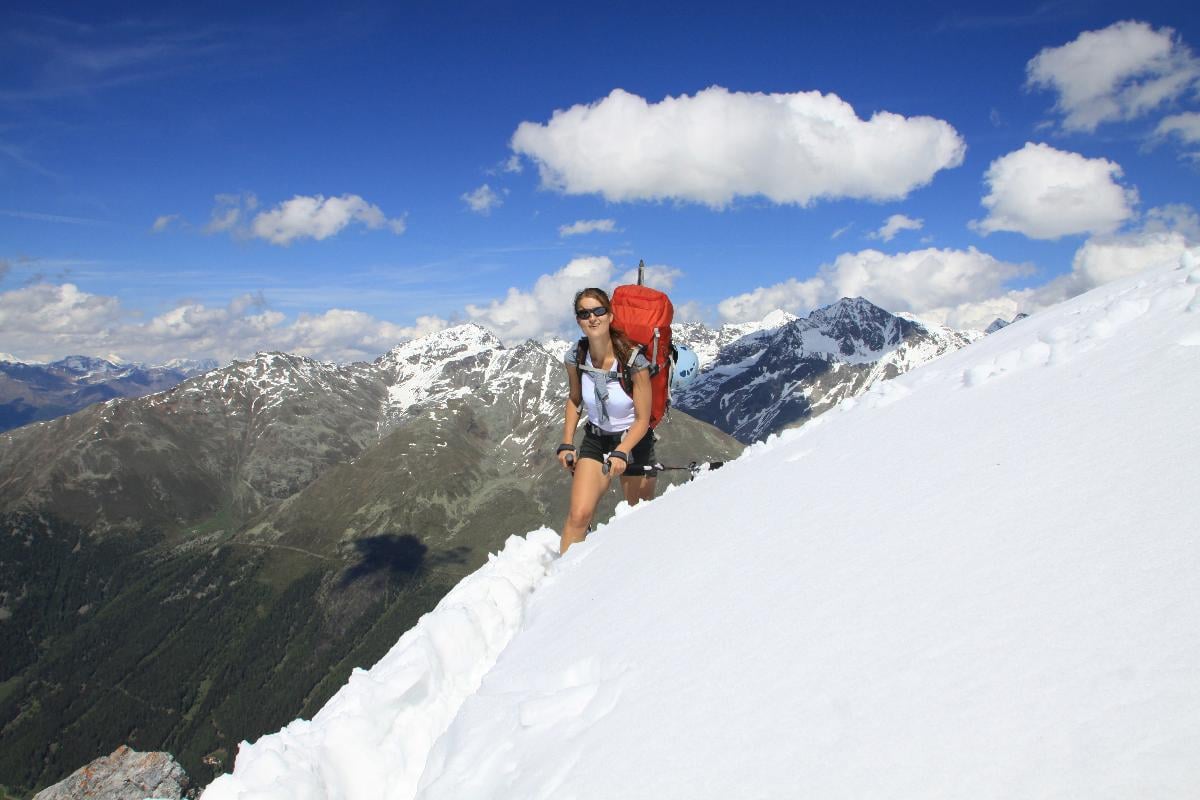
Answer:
(33, 392)
(191, 568)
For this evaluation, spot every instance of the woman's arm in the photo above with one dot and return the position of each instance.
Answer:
(571, 414)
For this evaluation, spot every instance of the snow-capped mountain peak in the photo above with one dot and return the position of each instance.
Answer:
(767, 379)
(776, 319)
(460, 341)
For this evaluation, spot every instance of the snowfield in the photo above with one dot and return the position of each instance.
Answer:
(978, 580)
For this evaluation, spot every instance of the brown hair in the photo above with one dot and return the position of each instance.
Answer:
(622, 347)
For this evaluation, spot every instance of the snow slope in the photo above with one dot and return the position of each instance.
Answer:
(980, 579)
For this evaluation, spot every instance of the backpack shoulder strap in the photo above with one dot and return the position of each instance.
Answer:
(627, 369)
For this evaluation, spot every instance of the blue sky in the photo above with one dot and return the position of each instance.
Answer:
(179, 180)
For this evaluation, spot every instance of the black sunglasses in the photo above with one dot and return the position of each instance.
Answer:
(584, 313)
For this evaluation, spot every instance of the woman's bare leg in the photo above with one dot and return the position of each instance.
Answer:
(638, 488)
(588, 485)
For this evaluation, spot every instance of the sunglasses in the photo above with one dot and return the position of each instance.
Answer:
(584, 313)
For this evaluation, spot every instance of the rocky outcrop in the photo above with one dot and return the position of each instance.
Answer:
(124, 775)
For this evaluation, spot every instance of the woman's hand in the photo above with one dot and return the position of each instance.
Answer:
(566, 457)
(617, 464)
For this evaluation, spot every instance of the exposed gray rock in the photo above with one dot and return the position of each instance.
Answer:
(124, 775)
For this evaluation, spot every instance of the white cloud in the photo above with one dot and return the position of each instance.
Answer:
(919, 278)
(911, 282)
(48, 321)
(230, 211)
(319, 217)
(588, 226)
(163, 222)
(657, 276)
(1104, 259)
(717, 145)
(1166, 234)
(1184, 127)
(690, 311)
(54, 310)
(303, 217)
(546, 309)
(482, 200)
(840, 231)
(896, 223)
(513, 164)
(978, 315)
(1118, 73)
(1046, 193)
(790, 295)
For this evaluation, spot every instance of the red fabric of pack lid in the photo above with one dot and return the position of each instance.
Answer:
(637, 311)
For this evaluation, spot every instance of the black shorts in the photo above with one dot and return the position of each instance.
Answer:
(597, 443)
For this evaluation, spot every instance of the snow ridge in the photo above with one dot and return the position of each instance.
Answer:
(372, 738)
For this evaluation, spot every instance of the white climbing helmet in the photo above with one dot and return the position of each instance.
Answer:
(687, 366)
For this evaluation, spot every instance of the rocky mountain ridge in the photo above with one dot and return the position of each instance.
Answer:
(778, 376)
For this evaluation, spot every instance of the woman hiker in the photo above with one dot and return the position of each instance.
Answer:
(617, 434)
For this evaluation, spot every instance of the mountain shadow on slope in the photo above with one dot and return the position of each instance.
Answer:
(398, 554)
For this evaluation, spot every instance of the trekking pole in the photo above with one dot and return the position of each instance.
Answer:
(694, 468)
(641, 272)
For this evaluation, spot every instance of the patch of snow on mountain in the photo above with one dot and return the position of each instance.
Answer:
(707, 342)
(972, 584)
(418, 368)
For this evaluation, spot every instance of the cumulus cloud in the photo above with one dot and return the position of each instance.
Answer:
(658, 276)
(1108, 258)
(588, 226)
(1046, 193)
(482, 200)
(319, 217)
(911, 282)
(1118, 73)
(45, 309)
(302, 217)
(791, 295)
(546, 309)
(896, 223)
(48, 321)
(1166, 233)
(717, 145)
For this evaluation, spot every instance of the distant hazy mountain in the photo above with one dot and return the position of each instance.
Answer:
(784, 370)
(35, 392)
(998, 324)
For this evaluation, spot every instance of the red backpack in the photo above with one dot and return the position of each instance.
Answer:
(644, 315)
